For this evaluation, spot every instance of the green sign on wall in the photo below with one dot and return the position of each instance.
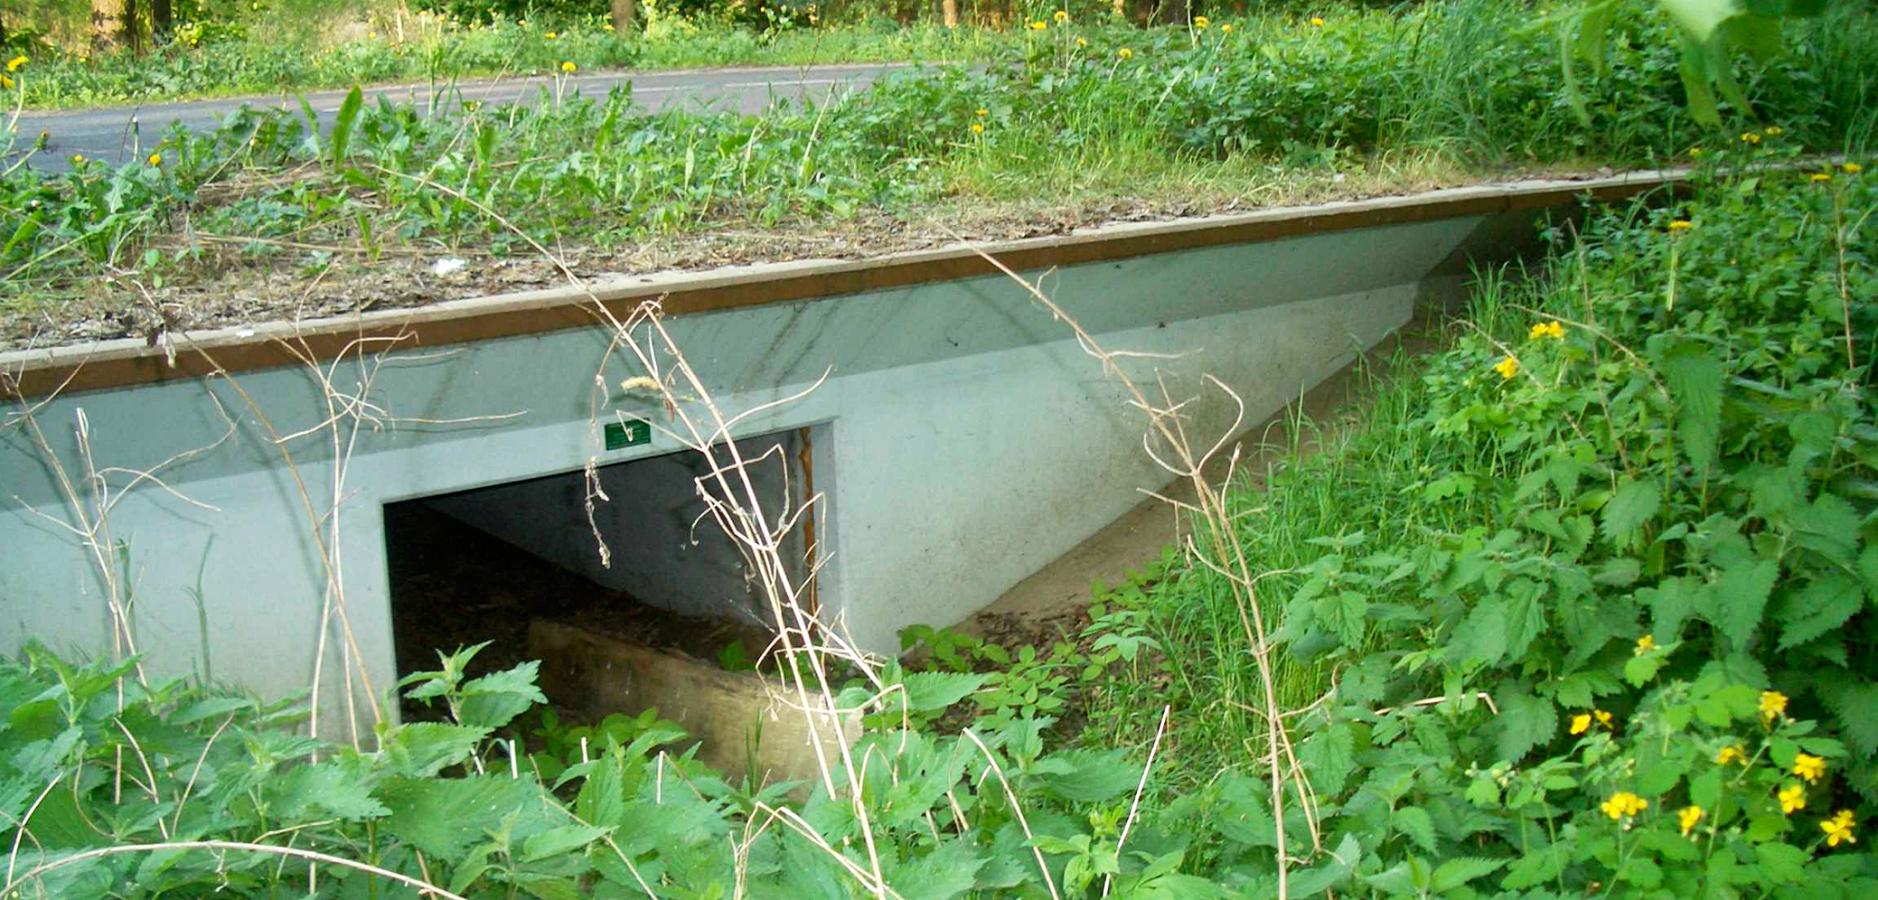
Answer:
(628, 433)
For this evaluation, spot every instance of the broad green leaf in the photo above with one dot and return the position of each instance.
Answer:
(942, 874)
(1740, 594)
(1461, 870)
(1525, 721)
(1328, 757)
(1695, 384)
(1416, 823)
(422, 749)
(1088, 776)
(1634, 504)
(443, 816)
(556, 841)
(1816, 608)
(934, 691)
(345, 121)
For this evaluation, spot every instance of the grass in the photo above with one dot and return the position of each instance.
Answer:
(1071, 127)
(243, 62)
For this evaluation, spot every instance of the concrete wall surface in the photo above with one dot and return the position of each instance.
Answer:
(963, 440)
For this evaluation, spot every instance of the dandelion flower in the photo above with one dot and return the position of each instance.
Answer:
(569, 67)
(1039, 25)
(14, 64)
(1082, 42)
(1773, 704)
(156, 159)
(550, 35)
(1200, 22)
(1821, 177)
(1809, 767)
(1062, 15)
(6, 83)
(1687, 817)
(78, 159)
(1623, 805)
(1125, 53)
(608, 26)
(1507, 368)
(1731, 753)
(1792, 799)
(1645, 644)
(1773, 131)
(1226, 28)
(1551, 330)
(1838, 829)
(1750, 138)
(978, 128)
(1681, 225)
(1317, 22)
(1852, 168)
(982, 112)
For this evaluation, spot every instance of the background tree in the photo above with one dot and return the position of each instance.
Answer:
(110, 24)
(622, 14)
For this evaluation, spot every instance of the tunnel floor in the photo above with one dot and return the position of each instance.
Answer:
(453, 586)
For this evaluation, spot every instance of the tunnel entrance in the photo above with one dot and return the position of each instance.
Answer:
(495, 563)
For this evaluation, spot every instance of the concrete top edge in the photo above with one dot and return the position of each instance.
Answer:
(39, 372)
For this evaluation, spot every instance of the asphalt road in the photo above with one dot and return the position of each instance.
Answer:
(117, 134)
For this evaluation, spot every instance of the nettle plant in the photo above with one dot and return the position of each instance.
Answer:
(1616, 632)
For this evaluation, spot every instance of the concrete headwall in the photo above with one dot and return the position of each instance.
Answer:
(968, 440)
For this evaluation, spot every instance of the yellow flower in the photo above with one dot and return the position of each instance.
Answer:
(1082, 42)
(156, 159)
(1772, 131)
(1681, 225)
(1645, 644)
(6, 84)
(1750, 138)
(569, 67)
(1809, 767)
(1687, 817)
(1125, 53)
(1200, 22)
(1695, 152)
(978, 128)
(78, 159)
(1603, 717)
(14, 64)
(1731, 753)
(1039, 25)
(983, 112)
(1539, 330)
(1852, 168)
(1581, 723)
(1821, 177)
(1507, 368)
(1226, 28)
(1317, 22)
(1792, 798)
(1773, 703)
(550, 35)
(1062, 15)
(1838, 829)
(1624, 804)
(608, 26)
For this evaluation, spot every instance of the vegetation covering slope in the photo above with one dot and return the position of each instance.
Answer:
(1586, 607)
(1110, 119)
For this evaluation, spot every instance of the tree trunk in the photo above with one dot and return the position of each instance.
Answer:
(162, 19)
(623, 11)
(108, 18)
(950, 8)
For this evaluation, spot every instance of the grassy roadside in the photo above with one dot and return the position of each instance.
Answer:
(1587, 598)
(1083, 120)
(255, 64)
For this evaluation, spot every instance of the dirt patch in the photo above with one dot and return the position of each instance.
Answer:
(242, 280)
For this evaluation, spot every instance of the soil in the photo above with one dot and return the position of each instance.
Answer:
(453, 586)
(233, 286)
